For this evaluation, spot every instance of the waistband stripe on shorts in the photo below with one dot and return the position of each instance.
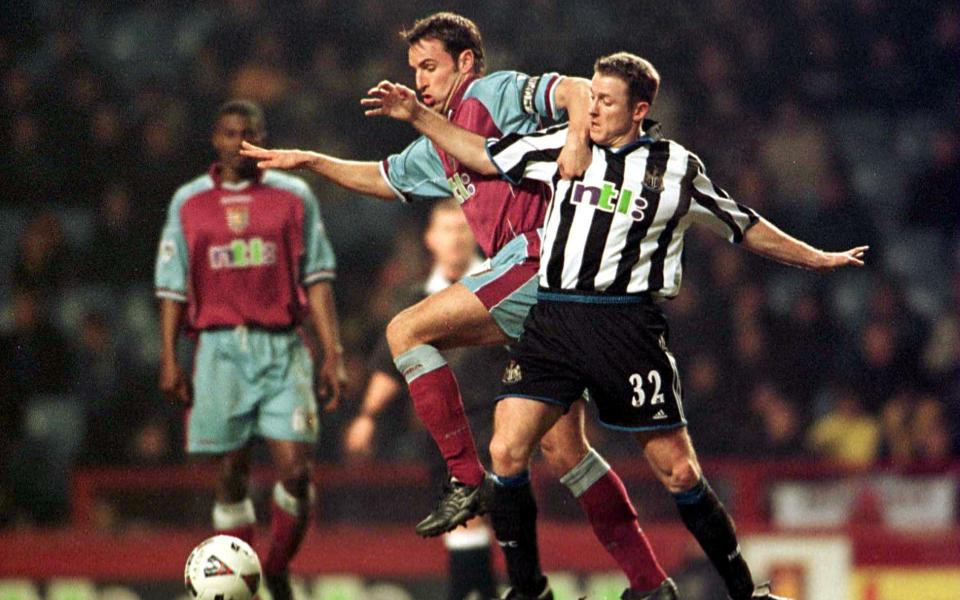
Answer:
(555, 296)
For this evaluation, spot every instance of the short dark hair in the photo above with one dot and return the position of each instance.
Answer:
(244, 108)
(641, 77)
(457, 33)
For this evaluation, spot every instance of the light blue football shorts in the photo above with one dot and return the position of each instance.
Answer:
(508, 289)
(251, 382)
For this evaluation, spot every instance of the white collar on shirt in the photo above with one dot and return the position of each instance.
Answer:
(237, 186)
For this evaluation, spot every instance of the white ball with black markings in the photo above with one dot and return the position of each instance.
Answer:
(222, 568)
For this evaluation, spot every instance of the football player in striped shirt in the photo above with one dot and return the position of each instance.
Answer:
(611, 250)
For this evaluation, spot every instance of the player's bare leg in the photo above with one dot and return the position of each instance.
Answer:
(604, 499)
(233, 512)
(290, 509)
(452, 318)
(674, 461)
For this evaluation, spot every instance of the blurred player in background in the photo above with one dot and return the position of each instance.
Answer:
(243, 260)
(612, 251)
(447, 56)
(451, 245)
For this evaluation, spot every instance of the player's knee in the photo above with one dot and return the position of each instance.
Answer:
(402, 332)
(232, 478)
(508, 458)
(562, 455)
(396, 334)
(683, 476)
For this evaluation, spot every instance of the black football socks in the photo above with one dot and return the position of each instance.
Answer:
(514, 518)
(708, 521)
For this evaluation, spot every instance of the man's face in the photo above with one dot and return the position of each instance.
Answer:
(435, 72)
(229, 131)
(614, 120)
(449, 238)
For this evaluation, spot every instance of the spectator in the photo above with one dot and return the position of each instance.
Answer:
(883, 368)
(931, 431)
(839, 216)
(775, 428)
(916, 429)
(34, 460)
(117, 254)
(24, 156)
(706, 392)
(795, 152)
(847, 433)
(806, 330)
(894, 422)
(33, 357)
(42, 261)
(113, 394)
(935, 204)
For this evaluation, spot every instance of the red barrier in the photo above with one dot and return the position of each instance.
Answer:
(396, 551)
(750, 479)
(142, 553)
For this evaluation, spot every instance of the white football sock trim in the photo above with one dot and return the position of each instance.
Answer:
(230, 516)
(290, 503)
(587, 472)
(467, 539)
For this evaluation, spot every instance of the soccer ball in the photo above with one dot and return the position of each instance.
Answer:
(222, 568)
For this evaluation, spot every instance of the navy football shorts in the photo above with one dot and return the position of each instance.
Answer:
(617, 351)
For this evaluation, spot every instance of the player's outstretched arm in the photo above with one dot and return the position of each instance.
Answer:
(765, 239)
(573, 95)
(358, 176)
(400, 102)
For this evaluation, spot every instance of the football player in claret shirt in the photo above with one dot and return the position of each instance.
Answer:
(244, 260)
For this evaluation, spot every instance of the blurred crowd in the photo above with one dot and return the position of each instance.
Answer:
(838, 120)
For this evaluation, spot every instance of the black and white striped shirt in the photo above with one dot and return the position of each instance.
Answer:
(618, 229)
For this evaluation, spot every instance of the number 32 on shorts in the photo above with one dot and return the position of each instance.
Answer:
(639, 395)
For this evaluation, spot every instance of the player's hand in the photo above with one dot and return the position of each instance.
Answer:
(332, 379)
(393, 100)
(358, 439)
(574, 157)
(174, 385)
(831, 261)
(276, 159)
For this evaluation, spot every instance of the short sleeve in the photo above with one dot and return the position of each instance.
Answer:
(712, 206)
(319, 263)
(170, 274)
(512, 102)
(528, 156)
(416, 172)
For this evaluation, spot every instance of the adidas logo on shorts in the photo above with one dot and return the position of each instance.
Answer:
(660, 415)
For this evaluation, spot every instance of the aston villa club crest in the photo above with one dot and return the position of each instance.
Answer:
(512, 373)
(238, 218)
